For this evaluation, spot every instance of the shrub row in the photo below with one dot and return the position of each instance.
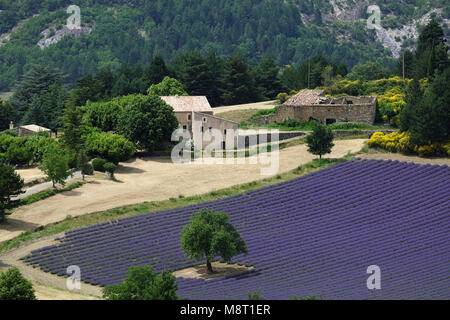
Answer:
(400, 142)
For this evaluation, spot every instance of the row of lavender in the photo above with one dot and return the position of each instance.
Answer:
(315, 235)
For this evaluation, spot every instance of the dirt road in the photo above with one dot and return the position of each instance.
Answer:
(154, 179)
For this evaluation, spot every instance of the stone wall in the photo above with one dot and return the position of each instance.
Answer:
(363, 113)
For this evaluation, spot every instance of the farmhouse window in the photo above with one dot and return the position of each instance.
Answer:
(189, 116)
(225, 131)
(204, 119)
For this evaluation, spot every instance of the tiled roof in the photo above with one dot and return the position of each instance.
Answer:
(305, 97)
(188, 103)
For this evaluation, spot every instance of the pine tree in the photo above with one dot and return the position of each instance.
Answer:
(266, 76)
(238, 82)
(156, 71)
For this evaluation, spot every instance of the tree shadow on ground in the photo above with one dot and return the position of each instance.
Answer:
(13, 225)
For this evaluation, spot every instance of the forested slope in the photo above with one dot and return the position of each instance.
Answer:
(135, 31)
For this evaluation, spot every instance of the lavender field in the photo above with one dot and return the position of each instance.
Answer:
(314, 235)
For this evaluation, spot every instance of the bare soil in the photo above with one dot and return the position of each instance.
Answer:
(220, 269)
(155, 179)
(32, 174)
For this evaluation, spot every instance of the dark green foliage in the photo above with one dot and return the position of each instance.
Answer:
(39, 98)
(55, 164)
(147, 121)
(167, 87)
(320, 141)
(427, 118)
(13, 286)
(20, 152)
(254, 29)
(200, 74)
(267, 78)
(142, 283)
(7, 114)
(83, 163)
(209, 235)
(10, 185)
(156, 71)
(292, 123)
(110, 167)
(71, 127)
(238, 82)
(431, 53)
(368, 71)
(103, 115)
(99, 164)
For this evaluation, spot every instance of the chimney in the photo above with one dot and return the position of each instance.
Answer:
(11, 125)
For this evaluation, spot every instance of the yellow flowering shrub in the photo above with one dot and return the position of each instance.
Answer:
(400, 142)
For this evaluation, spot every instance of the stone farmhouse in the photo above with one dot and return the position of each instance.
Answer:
(313, 104)
(28, 130)
(196, 117)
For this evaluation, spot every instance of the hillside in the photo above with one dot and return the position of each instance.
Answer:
(134, 31)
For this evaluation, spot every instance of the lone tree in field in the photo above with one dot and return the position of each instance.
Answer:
(320, 141)
(210, 234)
(10, 185)
(55, 164)
(142, 283)
(13, 286)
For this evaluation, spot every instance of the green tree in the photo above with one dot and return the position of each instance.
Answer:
(210, 234)
(147, 121)
(266, 76)
(19, 152)
(113, 147)
(167, 87)
(428, 57)
(142, 283)
(55, 164)
(7, 114)
(320, 141)
(156, 71)
(368, 71)
(13, 286)
(430, 116)
(83, 164)
(238, 82)
(10, 185)
(72, 120)
(414, 94)
(103, 115)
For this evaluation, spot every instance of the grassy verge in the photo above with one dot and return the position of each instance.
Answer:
(48, 193)
(146, 207)
(307, 126)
